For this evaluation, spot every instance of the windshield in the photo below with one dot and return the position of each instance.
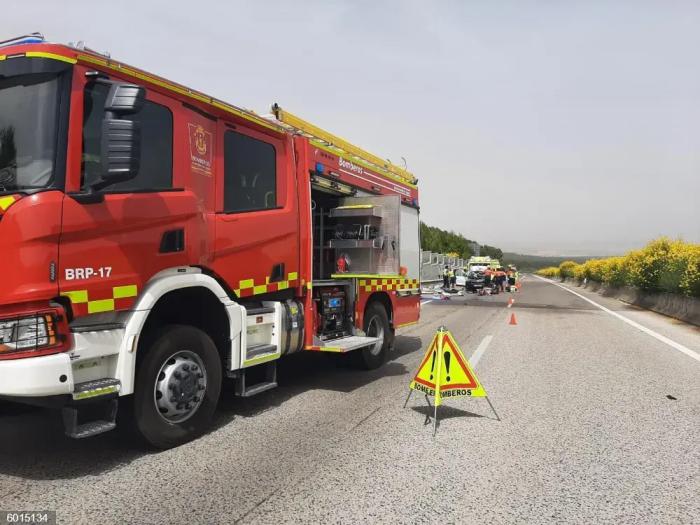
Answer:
(28, 121)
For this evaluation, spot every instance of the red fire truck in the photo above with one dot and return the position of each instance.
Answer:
(157, 241)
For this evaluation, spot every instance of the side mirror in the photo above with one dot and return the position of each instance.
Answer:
(120, 151)
(121, 138)
(125, 99)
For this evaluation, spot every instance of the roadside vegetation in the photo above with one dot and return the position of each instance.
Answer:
(663, 265)
(440, 241)
(532, 263)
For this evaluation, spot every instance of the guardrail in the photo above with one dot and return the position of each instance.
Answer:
(432, 264)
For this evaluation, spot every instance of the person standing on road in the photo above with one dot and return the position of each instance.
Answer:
(511, 277)
(446, 278)
(487, 277)
(453, 278)
(501, 279)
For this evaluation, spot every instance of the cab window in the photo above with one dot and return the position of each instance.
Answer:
(250, 174)
(156, 170)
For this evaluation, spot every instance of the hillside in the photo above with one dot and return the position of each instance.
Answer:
(441, 241)
(536, 262)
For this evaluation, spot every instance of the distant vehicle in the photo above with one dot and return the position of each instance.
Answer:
(481, 263)
(461, 276)
(474, 281)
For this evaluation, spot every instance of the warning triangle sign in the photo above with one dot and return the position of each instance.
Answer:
(445, 372)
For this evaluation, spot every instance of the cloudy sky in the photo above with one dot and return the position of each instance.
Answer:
(537, 126)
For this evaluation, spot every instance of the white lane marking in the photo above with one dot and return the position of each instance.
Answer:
(428, 301)
(677, 346)
(474, 359)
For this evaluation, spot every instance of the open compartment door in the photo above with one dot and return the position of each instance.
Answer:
(366, 232)
(409, 233)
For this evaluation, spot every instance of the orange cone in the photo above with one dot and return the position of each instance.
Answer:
(512, 319)
(510, 302)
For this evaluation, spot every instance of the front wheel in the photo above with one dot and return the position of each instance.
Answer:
(177, 388)
(376, 324)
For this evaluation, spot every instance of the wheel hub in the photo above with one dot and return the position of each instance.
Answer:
(180, 386)
(376, 329)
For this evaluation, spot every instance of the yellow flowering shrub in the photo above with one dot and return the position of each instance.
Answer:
(566, 269)
(552, 271)
(663, 265)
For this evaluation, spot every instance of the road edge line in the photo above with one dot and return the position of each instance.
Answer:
(485, 342)
(670, 342)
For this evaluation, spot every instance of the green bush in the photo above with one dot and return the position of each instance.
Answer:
(550, 272)
(662, 265)
(614, 271)
(593, 270)
(566, 269)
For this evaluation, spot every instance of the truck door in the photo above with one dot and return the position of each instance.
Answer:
(110, 247)
(256, 247)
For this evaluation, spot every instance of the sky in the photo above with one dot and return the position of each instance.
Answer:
(543, 127)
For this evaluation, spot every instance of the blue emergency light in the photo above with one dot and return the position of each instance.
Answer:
(36, 38)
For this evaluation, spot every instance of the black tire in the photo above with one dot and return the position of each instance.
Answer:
(376, 319)
(177, 344)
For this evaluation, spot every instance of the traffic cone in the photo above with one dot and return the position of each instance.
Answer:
(512, 319)
(510, 302)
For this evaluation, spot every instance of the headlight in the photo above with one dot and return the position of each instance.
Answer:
(27, 333)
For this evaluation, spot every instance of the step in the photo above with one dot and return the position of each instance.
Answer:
(346, 344)
(268, 382)
(259, 388)
(96, 388)
(260, 311)
(104, 419)
(258, 350)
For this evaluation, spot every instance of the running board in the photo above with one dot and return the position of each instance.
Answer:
(101, 417)
(96, 388)
(266, 381)
(93, 409)
(344, 344)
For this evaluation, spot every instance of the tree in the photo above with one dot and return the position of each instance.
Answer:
(440, 241)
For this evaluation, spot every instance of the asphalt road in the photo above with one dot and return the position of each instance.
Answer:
(588, 434)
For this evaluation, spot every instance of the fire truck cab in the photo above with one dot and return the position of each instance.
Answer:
(158, 241)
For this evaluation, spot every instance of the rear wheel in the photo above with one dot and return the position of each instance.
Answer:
(178, 383)
(376, 324)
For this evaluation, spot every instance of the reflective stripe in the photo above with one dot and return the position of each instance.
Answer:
(78, 298)
(247, 287)
(376, 285)
(324, 349)
(365, 276)
(261, 359)
(122, 292)
(52, 56)
(6, 202)
(113, 389)
(102, 305)
(247, 283)
(121, 68)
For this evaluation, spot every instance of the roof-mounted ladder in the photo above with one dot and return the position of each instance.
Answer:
(314, 132)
